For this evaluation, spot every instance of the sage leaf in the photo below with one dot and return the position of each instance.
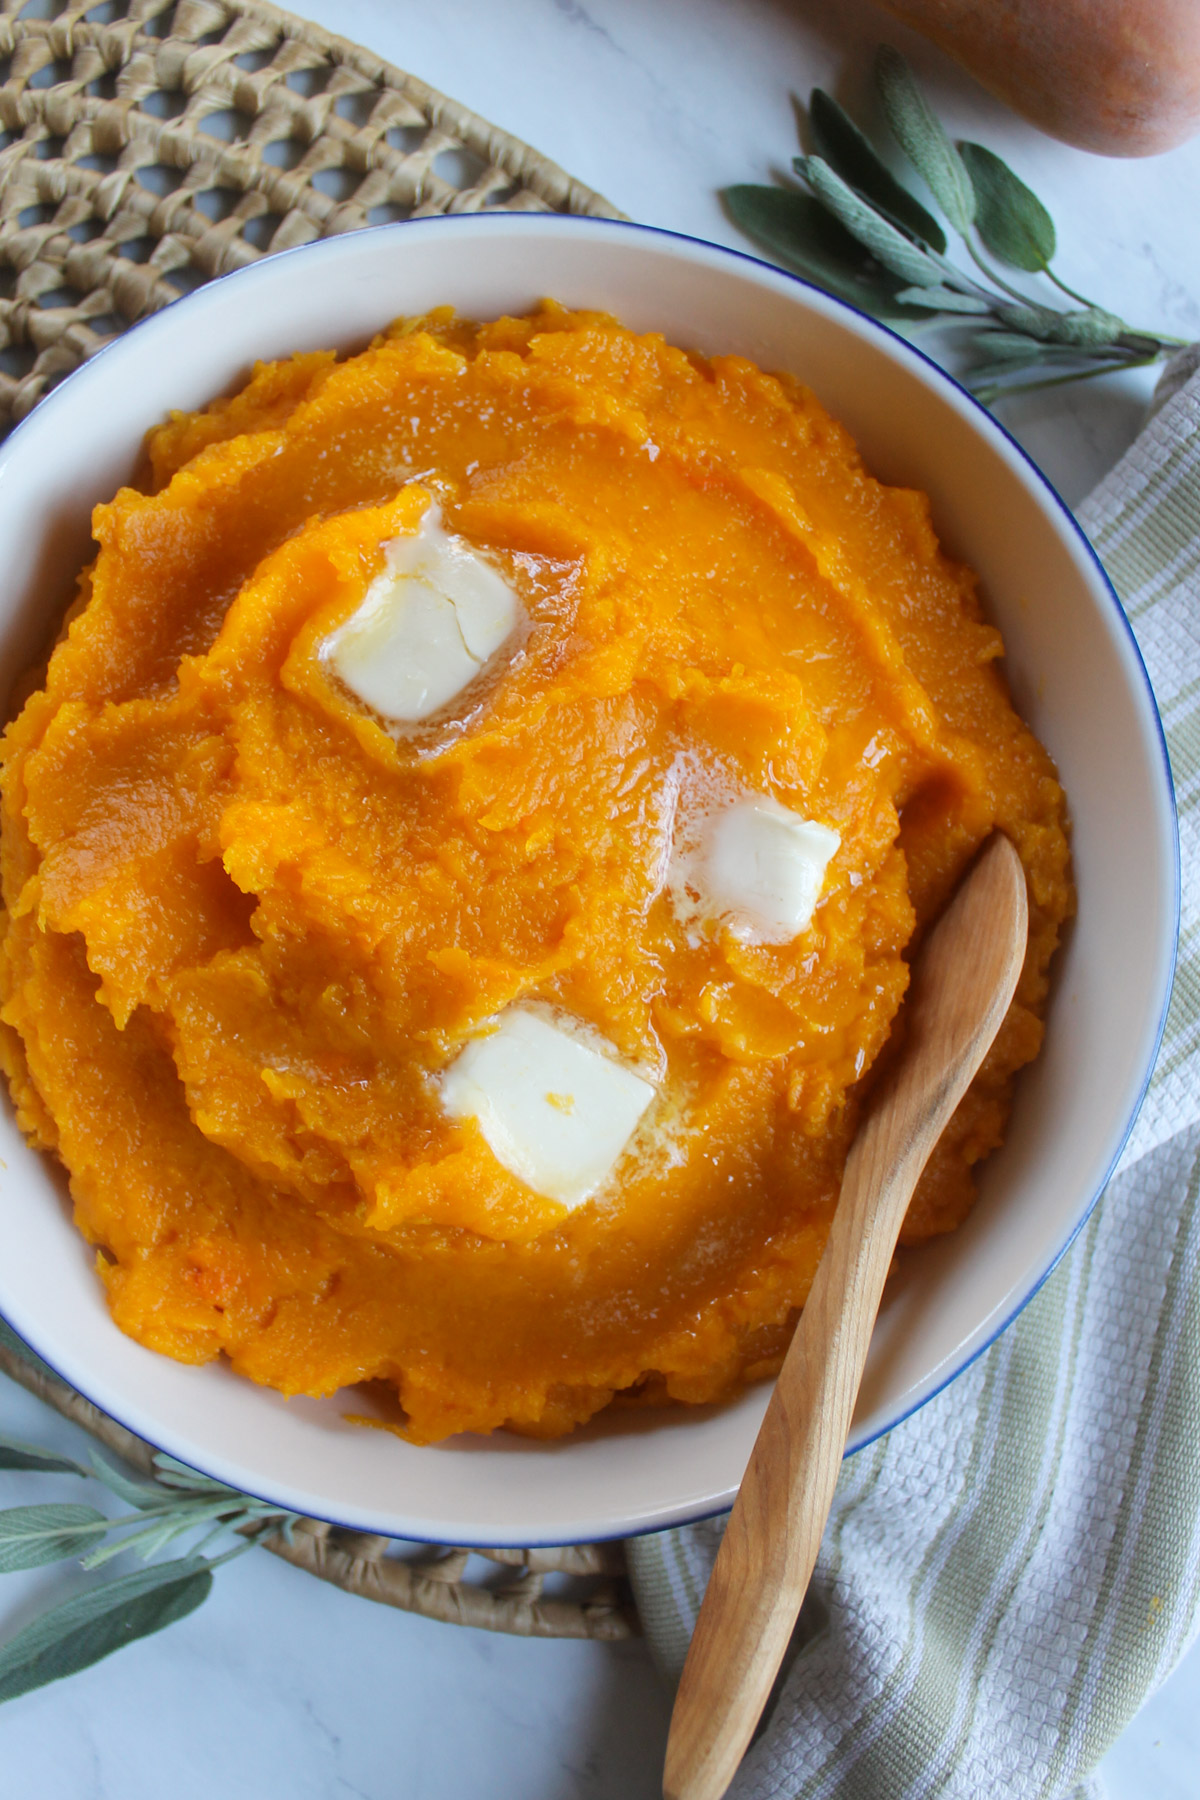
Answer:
(1009, 217)
(852, 155)
(1144, 343)
(1005, 353)
(10, 1341)
(922, 137)
(888, 246)
(17, 1455)
(1087, 329)
(94, 1624)
(945, 299)
(1031, 321)
(178, 1475)
(188, 1512)
(1004, 346)
(33, 1535)
(141, 1494)
(995, 372)
(147, 1541)
(796, 230)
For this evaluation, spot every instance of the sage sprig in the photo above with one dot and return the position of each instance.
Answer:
(90, 1626)
(857, 230)
(174, 1503)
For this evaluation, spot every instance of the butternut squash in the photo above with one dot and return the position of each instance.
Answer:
(1120, 77)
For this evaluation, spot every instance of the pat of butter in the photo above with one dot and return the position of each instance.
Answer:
(426, 626)
(760, 867)
(555, 1112)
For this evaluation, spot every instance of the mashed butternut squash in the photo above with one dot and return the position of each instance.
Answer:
(254, 921)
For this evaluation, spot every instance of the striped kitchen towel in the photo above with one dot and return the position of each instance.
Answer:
(1009, 1574)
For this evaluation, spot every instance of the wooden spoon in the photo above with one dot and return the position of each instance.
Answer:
(963, 982)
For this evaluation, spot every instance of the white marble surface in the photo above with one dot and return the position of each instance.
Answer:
(281, 1688)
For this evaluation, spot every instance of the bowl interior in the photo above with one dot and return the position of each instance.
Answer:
(1075, 675)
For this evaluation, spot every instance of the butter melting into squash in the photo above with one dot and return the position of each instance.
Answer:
(252, 922)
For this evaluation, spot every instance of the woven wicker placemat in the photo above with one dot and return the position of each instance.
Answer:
(145, 147)
(148, 145)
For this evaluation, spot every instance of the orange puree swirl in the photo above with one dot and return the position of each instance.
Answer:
(251, 923)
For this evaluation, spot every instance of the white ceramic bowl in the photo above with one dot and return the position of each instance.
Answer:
(1076, 676)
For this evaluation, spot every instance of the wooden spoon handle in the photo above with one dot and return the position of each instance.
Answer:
(964, 984)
